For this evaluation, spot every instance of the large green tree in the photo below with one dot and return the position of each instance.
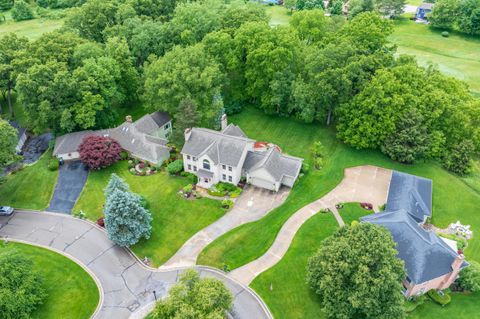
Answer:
(390, 8)
(355, 282)
(21, 11)
(8, 142)
(21, 286)
(187, 117)
(185, 73)
(444, 14)
(10, 47)
(193, 297)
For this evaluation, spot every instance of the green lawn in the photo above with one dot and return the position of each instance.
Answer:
(453, 199)
(30, 188)
(279, 15)
(72, 293)
(31, 29)
(175, 219)
(462, 307)
(290, 296)
(458, 55)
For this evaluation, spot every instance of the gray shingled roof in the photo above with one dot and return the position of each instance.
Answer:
(221, 148)
(161, 118)
(426, 255)
(411, 193)
(70, 142)
(234, 130)
(132, 137)
(276, 163)
(20, 130)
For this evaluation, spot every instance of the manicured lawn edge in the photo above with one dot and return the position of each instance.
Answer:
(76, 261)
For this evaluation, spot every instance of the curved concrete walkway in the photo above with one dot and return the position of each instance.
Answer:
(253, 204)
(360, 184)
(126, 284)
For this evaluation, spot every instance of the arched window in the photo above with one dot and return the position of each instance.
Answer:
(206, 164)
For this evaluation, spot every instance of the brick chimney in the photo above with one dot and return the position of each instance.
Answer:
(456, 267)
(224, 121)
(128, 118)
(188, 132)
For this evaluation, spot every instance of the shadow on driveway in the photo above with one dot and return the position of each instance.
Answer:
(71, 179)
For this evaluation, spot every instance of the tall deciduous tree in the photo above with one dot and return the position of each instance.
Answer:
(444, 14)
(390, 8)
(126, 220)
(22, 11)
(355, 282)
(192, 297)
(187, 117)
(409, 140)
(185, 73)
(10, 47)
(8, 142)
(21, 287)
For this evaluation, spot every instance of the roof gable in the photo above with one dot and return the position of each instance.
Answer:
(411, 193)
(426, 256)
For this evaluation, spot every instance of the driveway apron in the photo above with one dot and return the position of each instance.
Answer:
(71, 179)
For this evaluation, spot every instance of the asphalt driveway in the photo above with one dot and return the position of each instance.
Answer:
(126, 285)
(71, 179)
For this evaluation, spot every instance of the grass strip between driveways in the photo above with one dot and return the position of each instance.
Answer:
(175, 219)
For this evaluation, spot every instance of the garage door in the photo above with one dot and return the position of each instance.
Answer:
(259, 182)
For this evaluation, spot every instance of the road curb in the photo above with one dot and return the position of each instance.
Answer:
(75, 260)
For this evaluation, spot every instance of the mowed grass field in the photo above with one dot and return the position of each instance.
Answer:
(458, 55)
(72, 293)
(31, 29)
(453, 199)
(175, 219)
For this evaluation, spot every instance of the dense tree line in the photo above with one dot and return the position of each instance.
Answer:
(200, 59)
(461, 15)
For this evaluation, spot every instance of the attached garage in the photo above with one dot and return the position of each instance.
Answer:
(264, 183)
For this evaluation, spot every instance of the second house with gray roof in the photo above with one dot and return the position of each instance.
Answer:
(228, 155)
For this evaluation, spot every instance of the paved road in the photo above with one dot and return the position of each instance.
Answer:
(71, 179)
(253, 204)
(126, 284)
(360, 184)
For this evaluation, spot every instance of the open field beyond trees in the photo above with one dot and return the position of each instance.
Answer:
(31, 29)
(174, 219)
(458, 55)
(71, 292)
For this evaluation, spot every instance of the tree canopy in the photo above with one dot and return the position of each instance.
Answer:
(193, 297)
(21, 287)
(357, 274)
(8, 142)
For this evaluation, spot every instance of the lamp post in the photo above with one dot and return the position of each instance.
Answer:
(155, 295)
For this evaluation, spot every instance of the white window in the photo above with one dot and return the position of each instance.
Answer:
(224, 167)
(188, 157)
(224, 177)
(229, 178)
(194, 168)
(166, 126)
(206, 164)
(189, 167)
(194, 158)
(229, 168)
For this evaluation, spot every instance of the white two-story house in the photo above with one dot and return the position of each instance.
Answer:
(228, 155)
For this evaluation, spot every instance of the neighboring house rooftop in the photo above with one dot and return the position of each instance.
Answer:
(426, 256)
(274, 162)
(411, 193)
(133, 137)
(221, 148)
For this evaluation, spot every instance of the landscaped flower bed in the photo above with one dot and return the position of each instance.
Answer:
(225, 189)
(141, 168)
